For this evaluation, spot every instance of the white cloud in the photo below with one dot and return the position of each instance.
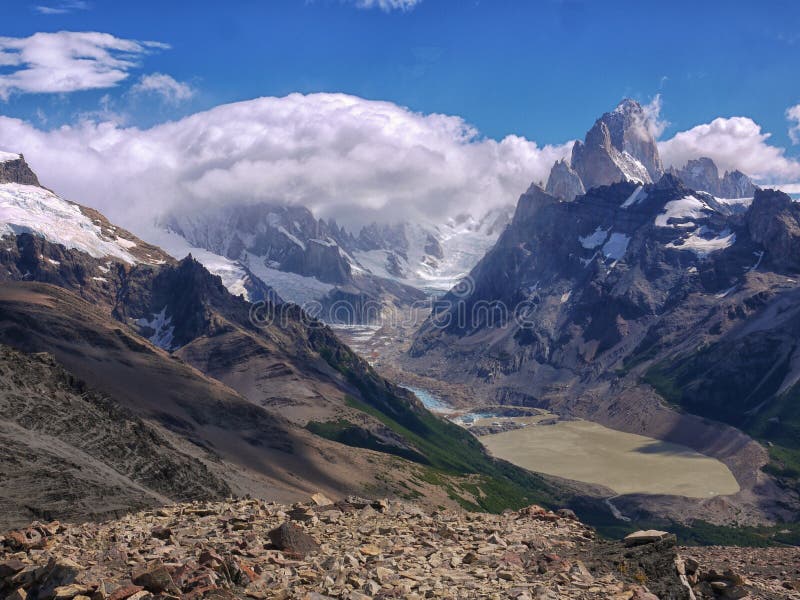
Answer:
(733, 143)
(61, 8)
(388, 5)
(169, 89)
(793, 114)
(68, 61)
(652, 111)
(342, 156)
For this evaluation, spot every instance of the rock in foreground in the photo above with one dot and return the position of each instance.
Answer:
(354, 550)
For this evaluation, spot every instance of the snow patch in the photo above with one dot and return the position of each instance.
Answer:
(635, 198)
(161, 324)
(688, 207)
(616, 246)
(595, 239)
(291, 287)
(31, 209)
(702, 246)
(127, 244)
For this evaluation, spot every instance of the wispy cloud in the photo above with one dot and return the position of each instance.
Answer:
(388, 5)
(793, 115)
(159, 84)
(68, 61)
(61, 8)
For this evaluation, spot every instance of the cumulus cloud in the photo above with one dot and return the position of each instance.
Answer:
(159, 84)
(733, 143)
(68, 61)
(793, 115)
(388, 5)
(61, 8)
(341, 156)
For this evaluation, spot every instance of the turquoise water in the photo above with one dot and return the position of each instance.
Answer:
(431, 402)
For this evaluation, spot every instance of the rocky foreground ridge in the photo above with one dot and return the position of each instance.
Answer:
(360, 549)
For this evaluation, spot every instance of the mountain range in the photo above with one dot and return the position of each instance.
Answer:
(655, 301)
(644, 304)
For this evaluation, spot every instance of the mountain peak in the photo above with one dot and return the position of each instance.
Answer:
(629, 105)
(702, 174)
(14, 169)
(620, 146)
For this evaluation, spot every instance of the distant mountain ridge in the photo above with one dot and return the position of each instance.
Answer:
(313, 261)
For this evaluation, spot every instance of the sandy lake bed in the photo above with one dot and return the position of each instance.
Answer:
(624, 462)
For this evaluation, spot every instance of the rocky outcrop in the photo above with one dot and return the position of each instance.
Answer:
(356, 549)
(17, 171)
(564, 182)
(736, 184)
(774, 222)
(702, 174)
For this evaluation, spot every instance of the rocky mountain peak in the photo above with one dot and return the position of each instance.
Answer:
(702, 174)
(14, 169)
(620, 146)
(564, 182)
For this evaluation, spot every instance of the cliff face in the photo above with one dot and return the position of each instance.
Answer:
(14, 169)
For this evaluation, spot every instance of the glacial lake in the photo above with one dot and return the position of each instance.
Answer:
(623, 462)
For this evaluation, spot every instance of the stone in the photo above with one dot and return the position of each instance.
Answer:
(155, 578)
(67, 592)
(293, 540)
(10, 567)
(321, 499)
(125, 591)
(161, 533)
(645, 537)
(370, 550)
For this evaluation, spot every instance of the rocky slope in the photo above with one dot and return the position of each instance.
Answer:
(630, 295)
(359, 549)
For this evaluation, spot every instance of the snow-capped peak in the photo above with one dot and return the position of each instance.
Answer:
(32, 209)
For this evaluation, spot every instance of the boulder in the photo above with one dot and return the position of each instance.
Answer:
(645, 537)
(292, 540)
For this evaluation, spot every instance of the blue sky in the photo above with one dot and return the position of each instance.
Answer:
(543, 69)
(382, 109)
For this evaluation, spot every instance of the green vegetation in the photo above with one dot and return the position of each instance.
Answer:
(346, 433)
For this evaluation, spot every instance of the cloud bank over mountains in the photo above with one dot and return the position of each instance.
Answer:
(340, 155)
